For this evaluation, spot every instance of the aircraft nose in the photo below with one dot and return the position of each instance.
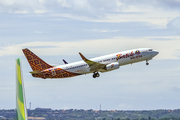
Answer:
(155, 52)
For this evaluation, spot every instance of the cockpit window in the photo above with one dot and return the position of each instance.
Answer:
(150, 49)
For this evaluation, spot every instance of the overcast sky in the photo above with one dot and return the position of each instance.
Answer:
(59, 29)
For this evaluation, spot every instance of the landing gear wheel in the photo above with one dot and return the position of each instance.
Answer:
(147, 62)
(96, 74)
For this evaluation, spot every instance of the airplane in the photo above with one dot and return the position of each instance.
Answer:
(95, 65)
(21, 110)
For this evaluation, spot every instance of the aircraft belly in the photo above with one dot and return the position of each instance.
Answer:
(84, 70)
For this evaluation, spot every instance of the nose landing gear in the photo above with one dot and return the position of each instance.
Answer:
(147, 63)
(96, 74)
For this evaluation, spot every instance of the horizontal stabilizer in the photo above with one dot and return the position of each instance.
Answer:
(36, 72)
(65, 61)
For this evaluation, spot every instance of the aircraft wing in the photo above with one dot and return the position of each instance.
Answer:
(94, 66)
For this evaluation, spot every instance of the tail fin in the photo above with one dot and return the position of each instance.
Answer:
(36, 63)
(21, 111)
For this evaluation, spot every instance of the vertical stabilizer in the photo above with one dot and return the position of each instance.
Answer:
(36, 63)
(21, 112)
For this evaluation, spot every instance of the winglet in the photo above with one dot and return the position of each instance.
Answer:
(85, 59)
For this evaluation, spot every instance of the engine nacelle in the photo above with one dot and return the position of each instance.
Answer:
(112, 66)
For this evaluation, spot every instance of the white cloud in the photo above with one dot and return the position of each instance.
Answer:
(157, 4)
(21, 6)
(89, 6)
(154, 16)
(169, 49)
(158, 19)
(153, 12)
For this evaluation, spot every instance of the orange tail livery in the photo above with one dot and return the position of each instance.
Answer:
(43, 70)
(36, 63)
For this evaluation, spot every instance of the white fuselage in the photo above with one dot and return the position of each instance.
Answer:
(123, 58)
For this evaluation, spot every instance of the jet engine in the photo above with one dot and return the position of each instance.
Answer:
(112, 66)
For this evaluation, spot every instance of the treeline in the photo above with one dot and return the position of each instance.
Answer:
(74, 114)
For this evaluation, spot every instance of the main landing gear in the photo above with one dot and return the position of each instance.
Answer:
(147, 63)
(96, 74)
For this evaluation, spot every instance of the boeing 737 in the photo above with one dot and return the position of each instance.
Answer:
(95, 65)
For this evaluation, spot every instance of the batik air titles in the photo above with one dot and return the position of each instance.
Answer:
(95, 65)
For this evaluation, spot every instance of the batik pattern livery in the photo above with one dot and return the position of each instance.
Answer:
(21, 111)
(43, 70)
(36, 63)
(54, 73)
